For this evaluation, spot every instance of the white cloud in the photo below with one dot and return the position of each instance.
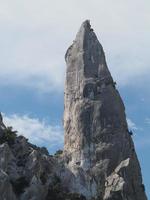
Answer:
(131, 124)
(36, 34)
(38, 132)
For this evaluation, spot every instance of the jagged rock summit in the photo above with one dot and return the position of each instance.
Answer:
(99, 160)
(98, 147)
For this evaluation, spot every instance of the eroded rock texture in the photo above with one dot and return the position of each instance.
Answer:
(25, 170)
(99, 152)
(99, 160)
(28, 172)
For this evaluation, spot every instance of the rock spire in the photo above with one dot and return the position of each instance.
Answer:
(99, 160)
(99, 151)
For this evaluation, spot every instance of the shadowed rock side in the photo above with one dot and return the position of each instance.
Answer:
(99, 152)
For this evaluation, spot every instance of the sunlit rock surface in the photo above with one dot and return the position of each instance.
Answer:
(99, 160)
(98, 147)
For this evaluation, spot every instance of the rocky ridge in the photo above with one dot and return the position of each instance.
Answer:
(28, 172)
(99, 161)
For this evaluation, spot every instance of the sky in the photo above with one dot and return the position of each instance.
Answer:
(35, 35)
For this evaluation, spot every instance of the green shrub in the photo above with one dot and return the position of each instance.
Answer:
(8, 136)
(59, 152)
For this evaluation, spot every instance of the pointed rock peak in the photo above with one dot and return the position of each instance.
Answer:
(84, 30)
(86, 25)
(84, 34)
(94, 57)
(86, 49)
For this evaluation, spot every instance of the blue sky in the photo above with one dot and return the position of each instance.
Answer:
(34, 37)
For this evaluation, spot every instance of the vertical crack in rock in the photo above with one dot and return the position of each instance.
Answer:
(98, 149)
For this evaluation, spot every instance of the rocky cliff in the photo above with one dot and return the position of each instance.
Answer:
(98, 146)
(99, 160)
(28, 172)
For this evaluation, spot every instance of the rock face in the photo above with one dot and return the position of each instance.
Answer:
(25, 170)
(99, 160)
(28, 172)
(99, 151)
